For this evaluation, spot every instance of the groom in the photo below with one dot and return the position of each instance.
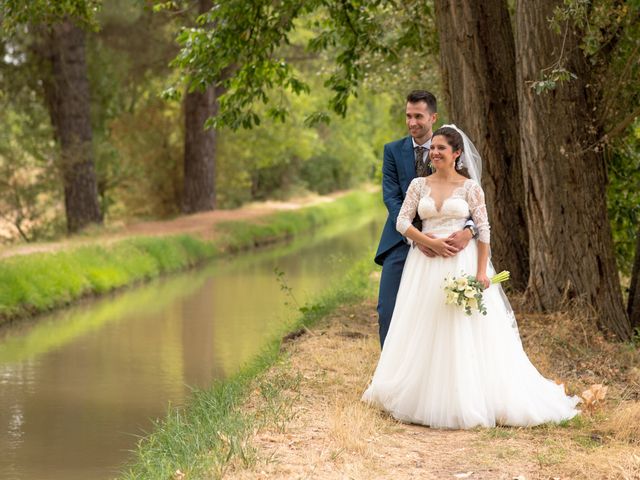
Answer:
(404, 160)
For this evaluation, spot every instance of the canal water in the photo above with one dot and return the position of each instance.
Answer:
(78, 388)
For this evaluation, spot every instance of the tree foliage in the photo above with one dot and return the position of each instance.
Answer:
(623, 197)
(128, 64)
(250, 39)
(48, 36)
(275, 159)
(18, 13)
(30, 194)
(610, 40)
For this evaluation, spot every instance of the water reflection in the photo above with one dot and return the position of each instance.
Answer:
(76, 386)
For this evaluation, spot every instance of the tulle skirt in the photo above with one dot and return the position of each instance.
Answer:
(442, 368)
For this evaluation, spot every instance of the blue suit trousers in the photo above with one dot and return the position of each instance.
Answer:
(392, 266)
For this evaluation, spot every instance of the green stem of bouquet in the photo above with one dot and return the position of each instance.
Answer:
(503, 276)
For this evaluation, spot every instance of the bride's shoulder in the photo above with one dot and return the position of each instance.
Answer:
(473, 188)
(418, 182)
(471, 184)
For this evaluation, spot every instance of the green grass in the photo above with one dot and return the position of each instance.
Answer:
(203, 438)
(239, 236)
(40, 282)
(43, 281)
(499, 432)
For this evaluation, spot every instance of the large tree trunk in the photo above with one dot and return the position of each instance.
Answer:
(633, 307)
(477, 53)
(570, 245)
(199, 152)
(199, 145)
(66, 90)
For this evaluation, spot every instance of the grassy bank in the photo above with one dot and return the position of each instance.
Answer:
(237, 236)
(202, 439)
(40, 282)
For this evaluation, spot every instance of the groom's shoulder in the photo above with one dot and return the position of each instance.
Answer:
(397, 143)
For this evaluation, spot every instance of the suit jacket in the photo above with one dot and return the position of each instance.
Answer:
(398, 170)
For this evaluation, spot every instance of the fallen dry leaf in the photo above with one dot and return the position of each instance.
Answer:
(178, 475)
(594, 395)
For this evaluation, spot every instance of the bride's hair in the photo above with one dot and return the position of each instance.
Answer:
(454, 139)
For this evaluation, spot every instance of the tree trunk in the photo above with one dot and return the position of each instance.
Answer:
(570, 245)
(633, 307)
(66, 91)
(199, 152)
(477, 57)
(199, 145)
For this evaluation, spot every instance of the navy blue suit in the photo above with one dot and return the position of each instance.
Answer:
(398, 170)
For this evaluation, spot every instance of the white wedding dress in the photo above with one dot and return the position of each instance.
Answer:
(441, 367)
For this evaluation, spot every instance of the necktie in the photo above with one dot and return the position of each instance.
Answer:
(422, 167)
(422, 170)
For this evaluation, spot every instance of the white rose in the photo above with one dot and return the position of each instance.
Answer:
(451, 298)
(470, 292)
(462, 282)
(473, 303)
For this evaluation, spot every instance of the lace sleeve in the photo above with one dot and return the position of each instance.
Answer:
(409, 206)
(478, 209)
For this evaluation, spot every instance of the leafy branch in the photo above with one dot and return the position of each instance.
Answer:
(250, 38)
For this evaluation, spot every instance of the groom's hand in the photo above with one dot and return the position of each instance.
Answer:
(460, 239)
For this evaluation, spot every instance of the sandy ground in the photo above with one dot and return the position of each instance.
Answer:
(318, 428)
(202, 225)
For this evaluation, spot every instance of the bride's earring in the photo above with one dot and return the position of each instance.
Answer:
(458, 164)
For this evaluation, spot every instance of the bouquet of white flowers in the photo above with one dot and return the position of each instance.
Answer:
(466, 291)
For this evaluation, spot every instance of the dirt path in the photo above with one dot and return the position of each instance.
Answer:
(199, 224)
(318, 429)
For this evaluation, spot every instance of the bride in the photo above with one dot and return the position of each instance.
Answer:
(439, 366)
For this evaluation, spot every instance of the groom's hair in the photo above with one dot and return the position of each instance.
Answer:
(424, 96)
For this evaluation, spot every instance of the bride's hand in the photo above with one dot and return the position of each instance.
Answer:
(483, 279)
(441, 247)
(424, 249)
